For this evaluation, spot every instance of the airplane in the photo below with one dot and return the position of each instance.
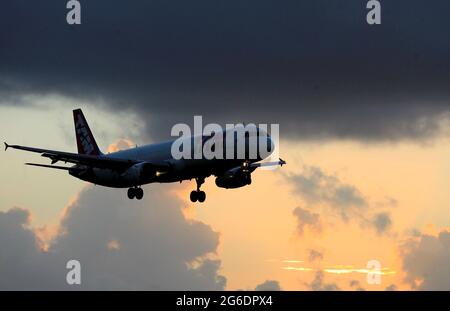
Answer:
(134, 167)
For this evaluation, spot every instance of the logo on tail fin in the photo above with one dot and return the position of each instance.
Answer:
(85, 140)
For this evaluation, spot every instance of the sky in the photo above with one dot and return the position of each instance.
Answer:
(364, 115)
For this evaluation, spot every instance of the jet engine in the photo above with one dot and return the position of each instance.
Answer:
(234, 178)
(138, 173)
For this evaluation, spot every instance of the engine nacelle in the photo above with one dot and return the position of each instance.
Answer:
(235, 179)
(138, 174)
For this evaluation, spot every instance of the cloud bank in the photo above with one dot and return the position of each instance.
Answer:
(319, 284)
(426, 261)
(327, 194)
(121, 246)
(316, 67)
(269, 285)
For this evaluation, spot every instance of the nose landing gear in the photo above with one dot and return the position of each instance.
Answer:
(198, 195)
(135, 192)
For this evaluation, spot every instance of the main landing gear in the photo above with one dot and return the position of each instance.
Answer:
(198, 195)
(135, 192)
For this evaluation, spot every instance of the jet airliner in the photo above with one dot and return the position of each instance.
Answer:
(134, 167)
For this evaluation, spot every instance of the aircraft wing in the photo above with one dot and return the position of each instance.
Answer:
(281, 162)
(247, 167)
(102, 161)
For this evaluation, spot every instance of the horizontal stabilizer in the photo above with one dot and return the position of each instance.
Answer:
(49, 166)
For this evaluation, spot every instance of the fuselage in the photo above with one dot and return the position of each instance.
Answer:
(161, 154)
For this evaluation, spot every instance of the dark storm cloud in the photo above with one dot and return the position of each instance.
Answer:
(319, 284)
(269, 285)
(307, 219)
(315, 255)
(315, 67)
(146, 246)
(331, 196)
(425, 261)
(382, 222)
(356, 285)
(317, 187)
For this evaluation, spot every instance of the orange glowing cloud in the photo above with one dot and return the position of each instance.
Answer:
(121, 144)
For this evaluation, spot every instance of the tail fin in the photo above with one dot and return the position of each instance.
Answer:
(85, 140)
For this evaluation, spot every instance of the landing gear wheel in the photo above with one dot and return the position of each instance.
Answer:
(131, 193)
(201, 196)
(139, 193)
(193, 196)
(198, 195)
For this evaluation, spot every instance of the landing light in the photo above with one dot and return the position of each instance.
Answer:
(160, 173)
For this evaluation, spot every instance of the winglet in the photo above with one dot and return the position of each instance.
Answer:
(6, 146)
